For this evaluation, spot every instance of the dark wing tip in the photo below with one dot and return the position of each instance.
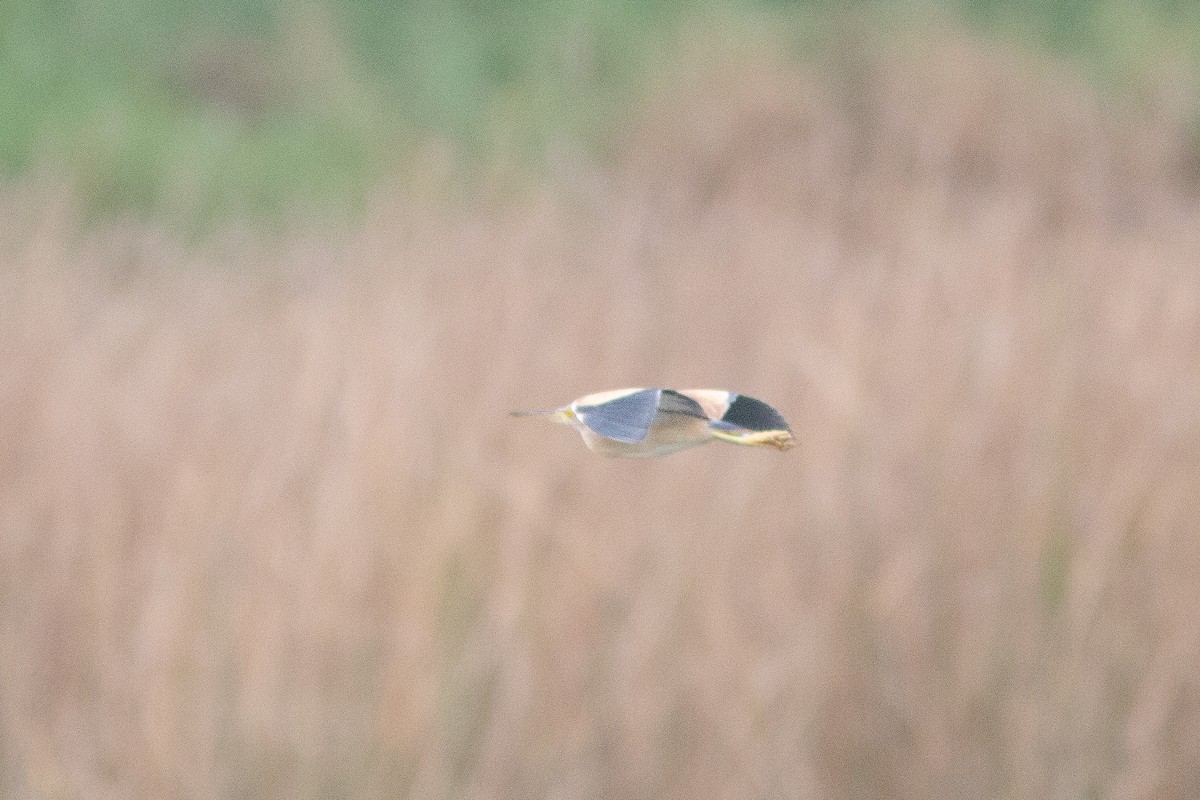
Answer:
(755, 415)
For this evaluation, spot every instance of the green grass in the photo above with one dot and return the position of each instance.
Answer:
(192, 111)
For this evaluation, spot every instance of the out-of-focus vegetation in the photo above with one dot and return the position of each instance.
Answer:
(267, 531)
(193, 110)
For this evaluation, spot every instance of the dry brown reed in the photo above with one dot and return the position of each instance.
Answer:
(266, 530)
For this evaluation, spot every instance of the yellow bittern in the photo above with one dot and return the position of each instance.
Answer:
(640, 423)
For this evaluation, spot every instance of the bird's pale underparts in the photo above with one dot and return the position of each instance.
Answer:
(640, 423)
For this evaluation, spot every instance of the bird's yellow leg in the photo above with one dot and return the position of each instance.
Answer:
(780, 440)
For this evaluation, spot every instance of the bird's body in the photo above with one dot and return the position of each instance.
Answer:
(642, 423)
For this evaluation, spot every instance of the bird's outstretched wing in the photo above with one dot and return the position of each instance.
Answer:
(671, 401)
(749, 414)
(625, 419)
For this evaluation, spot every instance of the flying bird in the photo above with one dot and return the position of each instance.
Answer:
(641, 423)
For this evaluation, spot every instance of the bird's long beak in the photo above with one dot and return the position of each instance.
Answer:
(561, 415)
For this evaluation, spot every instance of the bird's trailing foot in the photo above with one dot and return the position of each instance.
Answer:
(780, 440)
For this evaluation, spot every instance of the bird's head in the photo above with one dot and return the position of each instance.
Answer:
(563, 416)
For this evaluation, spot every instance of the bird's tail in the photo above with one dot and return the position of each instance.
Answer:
(536, 413)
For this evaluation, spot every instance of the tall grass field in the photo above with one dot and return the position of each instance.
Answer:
(267, 530)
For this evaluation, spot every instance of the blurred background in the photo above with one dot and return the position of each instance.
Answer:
(272, 274)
